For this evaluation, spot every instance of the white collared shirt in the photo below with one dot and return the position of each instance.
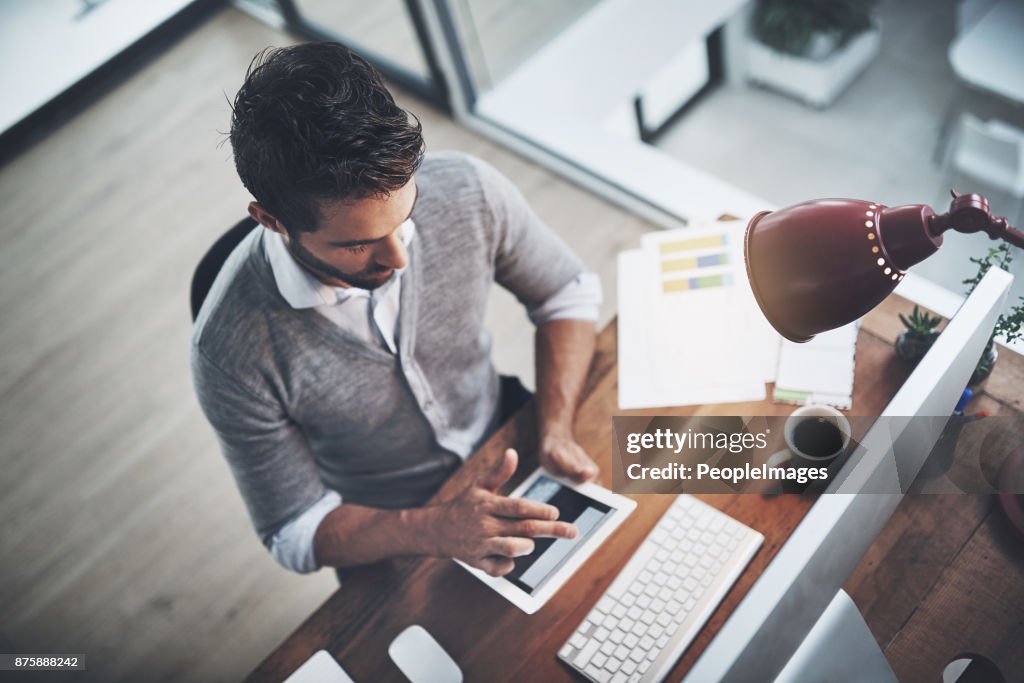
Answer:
(346, 307)
(349, 308)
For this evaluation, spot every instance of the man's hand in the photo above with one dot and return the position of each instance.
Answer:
(561, 455)
(486, 530)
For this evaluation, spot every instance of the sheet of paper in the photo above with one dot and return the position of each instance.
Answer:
(680, 350)
(710, 260)
(820, 371)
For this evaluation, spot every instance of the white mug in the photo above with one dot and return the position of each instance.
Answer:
(826, 413)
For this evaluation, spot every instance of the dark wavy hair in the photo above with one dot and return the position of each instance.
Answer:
(314, 123)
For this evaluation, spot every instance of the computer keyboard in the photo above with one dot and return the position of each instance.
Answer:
(661, 598)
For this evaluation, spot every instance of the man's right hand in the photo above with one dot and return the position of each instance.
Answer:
(486, 530)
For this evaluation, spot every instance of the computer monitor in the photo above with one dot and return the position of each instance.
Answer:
(782, 607)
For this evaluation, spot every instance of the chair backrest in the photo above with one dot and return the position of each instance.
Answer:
(210, 264)
(993, 152)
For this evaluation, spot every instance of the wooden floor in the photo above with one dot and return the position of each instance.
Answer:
(123, 536)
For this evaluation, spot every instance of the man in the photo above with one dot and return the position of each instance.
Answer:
(341, 356)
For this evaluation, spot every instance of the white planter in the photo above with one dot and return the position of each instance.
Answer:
(817, 82)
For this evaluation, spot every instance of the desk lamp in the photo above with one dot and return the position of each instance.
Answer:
(821, 264)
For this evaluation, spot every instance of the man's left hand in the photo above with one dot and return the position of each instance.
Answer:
(561, 455)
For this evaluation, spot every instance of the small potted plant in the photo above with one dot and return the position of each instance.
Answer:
(1009, 325)
(919, 335)
(811, 49)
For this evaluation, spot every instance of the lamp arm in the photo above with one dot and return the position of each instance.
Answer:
(970, 213)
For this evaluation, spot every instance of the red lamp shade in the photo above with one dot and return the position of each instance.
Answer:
(822, 264)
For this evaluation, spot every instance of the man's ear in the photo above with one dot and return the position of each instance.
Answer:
(265, 219)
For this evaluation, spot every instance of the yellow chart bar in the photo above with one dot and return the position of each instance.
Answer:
(693, 243)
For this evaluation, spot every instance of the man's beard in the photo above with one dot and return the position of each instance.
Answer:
(371, 278)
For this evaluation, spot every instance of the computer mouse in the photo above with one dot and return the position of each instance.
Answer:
(422, 659)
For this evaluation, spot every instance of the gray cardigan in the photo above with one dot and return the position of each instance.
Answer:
(299, 404)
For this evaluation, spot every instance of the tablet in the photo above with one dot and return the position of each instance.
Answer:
(595, 511)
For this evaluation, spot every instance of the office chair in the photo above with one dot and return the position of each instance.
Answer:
(210, 264)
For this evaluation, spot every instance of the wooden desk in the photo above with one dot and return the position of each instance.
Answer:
(489, 637)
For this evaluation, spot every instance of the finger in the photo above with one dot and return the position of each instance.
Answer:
(509, 546)
(521, 507)
(576, 464)
(501, 472)
(583, 470)
(534, 528)
(496, 566)
(580, 466)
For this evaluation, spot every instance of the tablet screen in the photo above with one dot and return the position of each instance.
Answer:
(550, 554)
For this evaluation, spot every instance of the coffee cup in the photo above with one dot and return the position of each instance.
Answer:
(817, 433)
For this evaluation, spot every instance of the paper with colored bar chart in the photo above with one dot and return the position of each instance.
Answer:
(686, 326)
(708, 263)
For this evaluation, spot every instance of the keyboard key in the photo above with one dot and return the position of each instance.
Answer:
(620, 678)
(613, 664)
(608, 647)
(578, 640)
(598, 660)
(637, 655)
(621, 652)
(629, 666)
(598, 674)
(639, 628)
(583, 658)
(617, 636)
(601, 634)
(566, 650)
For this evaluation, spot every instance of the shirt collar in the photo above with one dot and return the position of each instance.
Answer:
(302, 289)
